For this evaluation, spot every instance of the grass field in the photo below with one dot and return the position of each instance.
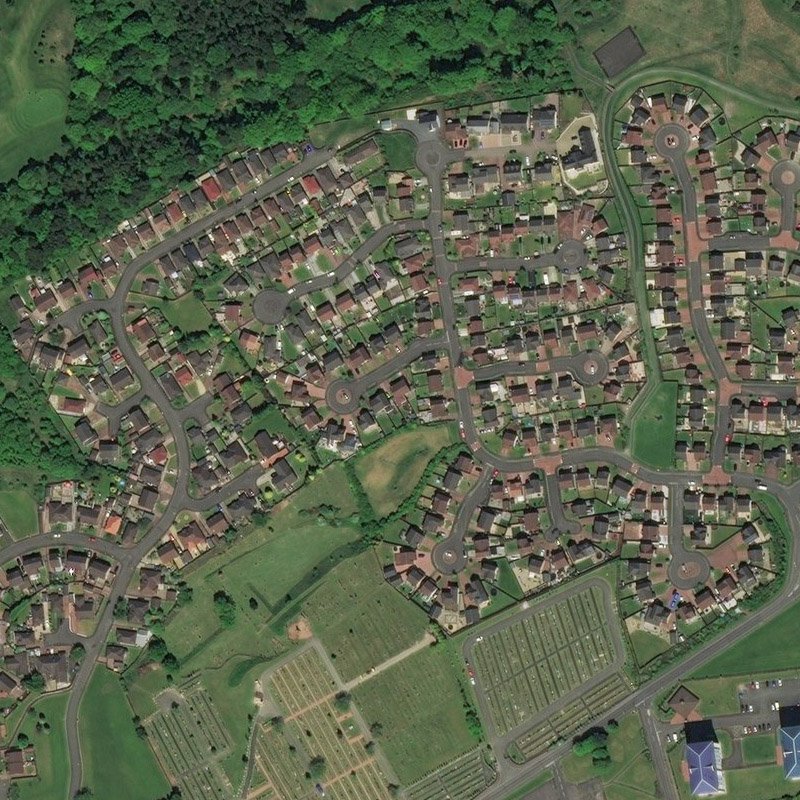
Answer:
(360, 619)
(106, 727)
(399, 150)
(717, 696)
(735, 41)
(647, 646)
(35, 39)
(774, 646)
(187, 313)
(759, 749)
(420, 706)
(19, 513)
(390, 471)
(535, 660)
(52, 763)
(631, 774)
(653, 429)
(274, 565)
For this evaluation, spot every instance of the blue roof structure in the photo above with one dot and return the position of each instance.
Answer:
(790, 744)
(701, 758)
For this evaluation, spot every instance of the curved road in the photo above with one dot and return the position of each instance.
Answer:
(432, 159)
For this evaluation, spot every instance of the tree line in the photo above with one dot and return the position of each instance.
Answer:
(160, 91)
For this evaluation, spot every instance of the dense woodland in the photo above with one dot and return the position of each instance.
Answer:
(160, 90)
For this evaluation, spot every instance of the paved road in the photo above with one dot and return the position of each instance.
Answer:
(658, 755)
(129, 560)
(432, 158)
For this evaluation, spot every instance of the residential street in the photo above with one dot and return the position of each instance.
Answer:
(345, 396)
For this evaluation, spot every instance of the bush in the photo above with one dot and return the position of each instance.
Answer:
(225, 607)
(316, 768)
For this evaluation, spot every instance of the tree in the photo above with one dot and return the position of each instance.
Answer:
(376, 729)
(316, 768)
(225, 607)
(342, 702)
(33, 681)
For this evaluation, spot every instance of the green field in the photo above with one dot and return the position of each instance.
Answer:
(717, 695)
(390, 471)
(759, 749)
(35, 39)
(399, 150)
(631, 774)
(360, 619)
(275, 565)
(774, 646)
(187, 313)
(19, 512)
(524, 793)
(52, 762)
(749, 44)
(653, 428)
(105, 728)
(647, 646)
(419, 703)
(268, 572)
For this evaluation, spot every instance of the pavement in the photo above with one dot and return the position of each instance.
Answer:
(432, 159)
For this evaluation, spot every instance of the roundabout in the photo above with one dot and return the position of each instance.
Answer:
(270, 306)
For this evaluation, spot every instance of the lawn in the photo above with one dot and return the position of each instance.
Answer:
(52, 762)
(774, 646)
(647, 646)
(35, 39)
(273, 566)
(653, 428)
(420, 705)
(269, 572)
(399, 150)
(187, 313)
(19, 512)
(756, 783)
(390, 472)
(116, 762)
(717, 696)
(749, 44)
(360, 619)
(525, 792)
(759, 749)
(631, 773)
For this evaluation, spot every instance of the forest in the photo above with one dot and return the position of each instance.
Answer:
(159, 91)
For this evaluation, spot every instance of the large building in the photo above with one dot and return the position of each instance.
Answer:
(789, 738)
(703, 760)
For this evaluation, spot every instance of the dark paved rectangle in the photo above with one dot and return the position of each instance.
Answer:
(619, 53)
(730, 242)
